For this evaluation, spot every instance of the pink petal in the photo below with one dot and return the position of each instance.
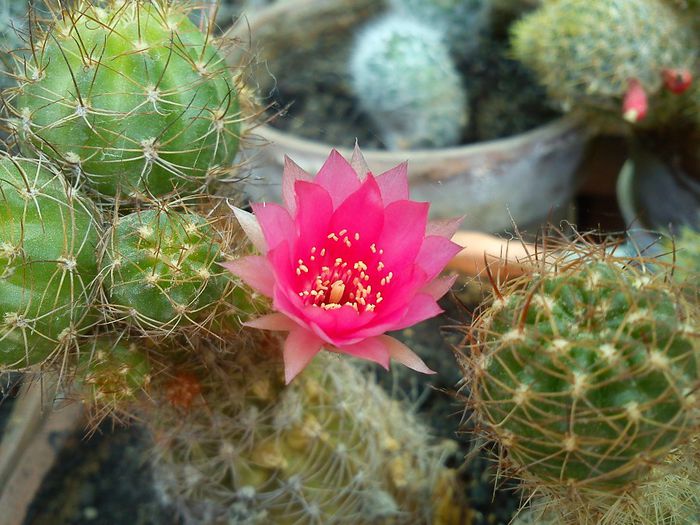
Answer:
(362, 212)
(421, 307)
(404, 230)
(358, 163)
(314, 211)
(337, 327)
(300, 348)
(404, 355)
(275, 321)
(255, 272)
(443, 228)
(280, 260)
(338, 177)
(372, 349)
(251, 227)
(439, 287)
(394, 184)
(291, 173)
(276, 223)
(435, 253)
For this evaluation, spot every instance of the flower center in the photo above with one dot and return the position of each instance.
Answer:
(344, 270)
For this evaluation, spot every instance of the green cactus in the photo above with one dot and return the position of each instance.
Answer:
(586, 53)
(407, 83)
(330, 448)
(461, 22)
(586, 377)
(113, 374)
(48, 267)
(161, 271)
(131, 96)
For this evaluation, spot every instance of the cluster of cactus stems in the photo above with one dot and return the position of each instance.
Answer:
(608, 59)
(113, 228)
(586, 375)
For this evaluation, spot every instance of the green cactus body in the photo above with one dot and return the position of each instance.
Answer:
(586, 51)
(132, 97)
(113, 375)
(330, 448)
(162, 272)
(48, 266)
(461, 22)
(586, 375)
(407, 83)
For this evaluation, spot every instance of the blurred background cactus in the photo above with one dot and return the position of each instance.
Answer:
(586, 375)
(406, 81)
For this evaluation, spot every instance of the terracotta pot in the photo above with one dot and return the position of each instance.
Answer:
(523, 179)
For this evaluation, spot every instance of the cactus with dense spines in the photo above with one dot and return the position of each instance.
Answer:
(329, 448)
(586, 377)
(113, 375)
(162, 272)
(407, 83)
(595, 56)
(131, 96)
(461, 22)
(48, 238)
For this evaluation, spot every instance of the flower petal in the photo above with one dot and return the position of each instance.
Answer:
(314, 212)
(439, 287)
(394, 184)
(443, 228)
(404, 355)
(403, 233)
(372, 349)
(291, 173)
(338, 177)
(276, 223)
(251, 227)
(358, 163)
(435, 253)
(361, 213)
(300, 347)
(275, 321)
(255, 271)
(420, 308)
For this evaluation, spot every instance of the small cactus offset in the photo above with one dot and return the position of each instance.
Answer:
(48, 267)
(586, 377)
(609, 58)
(162, 273)
(461, 22)
(407, 83)
(132, 97)
(330, 448)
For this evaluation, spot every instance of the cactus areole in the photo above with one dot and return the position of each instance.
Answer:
(587, 376)
(47, 263)
(131, 96)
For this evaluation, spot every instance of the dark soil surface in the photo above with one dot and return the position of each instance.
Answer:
(314, 92)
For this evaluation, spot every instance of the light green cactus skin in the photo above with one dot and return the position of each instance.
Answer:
(407, 83)
(113, 375)
(586, 376)
(132, 96)
(330, 448)
(162, 270)
(461, 22)
(48, 238)
(585, 51)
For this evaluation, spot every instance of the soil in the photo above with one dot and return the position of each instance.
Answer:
(106, 479)
(312, 90)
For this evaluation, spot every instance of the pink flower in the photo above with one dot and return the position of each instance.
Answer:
(348, 258)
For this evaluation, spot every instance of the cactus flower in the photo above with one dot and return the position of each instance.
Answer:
(635, 103)
(346, 259)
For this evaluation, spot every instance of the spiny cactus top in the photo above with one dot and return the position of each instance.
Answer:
(587, 375)
(591, 53)
(132, 96)
(48, 239)
(349, 258)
